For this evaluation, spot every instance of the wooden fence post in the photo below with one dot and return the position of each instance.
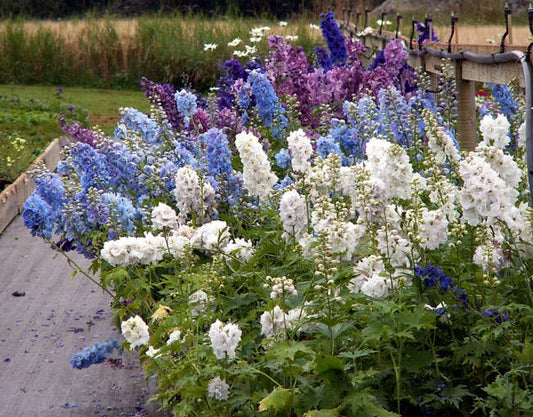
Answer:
(466, 110)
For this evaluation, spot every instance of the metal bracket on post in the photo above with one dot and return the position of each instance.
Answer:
(428, 21)
(412, 35)
(453, 21)
(508, 12)
(530, 19)
(398, 22)
(349, 18)
(382, 22)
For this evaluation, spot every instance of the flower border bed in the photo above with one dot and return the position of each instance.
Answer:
(13, 197)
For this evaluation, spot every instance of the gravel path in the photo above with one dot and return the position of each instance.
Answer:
(45, 318)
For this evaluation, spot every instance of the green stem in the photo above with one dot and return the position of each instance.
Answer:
(397, 374)
(78, 268)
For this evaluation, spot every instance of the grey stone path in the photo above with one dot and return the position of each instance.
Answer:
(39, 332)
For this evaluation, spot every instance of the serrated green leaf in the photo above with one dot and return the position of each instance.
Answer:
(289, 350)
(329, 363)
(334, 412)
(417, 319)
(277, 400)
(526, 355)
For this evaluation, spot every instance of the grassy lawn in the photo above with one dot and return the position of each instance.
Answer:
(29, 119)
(101, 105)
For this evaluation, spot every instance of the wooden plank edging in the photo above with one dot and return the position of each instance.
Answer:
(13, 197)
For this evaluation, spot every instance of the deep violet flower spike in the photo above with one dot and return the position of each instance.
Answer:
(334, 39)
(98, 353)
(162, 95)
(78, 133)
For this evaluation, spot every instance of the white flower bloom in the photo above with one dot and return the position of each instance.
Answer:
(313, 26)
(235, 42)
(198, 300)
(301, 150)
(366, 31)
(240, 54)
(135, 331)
(258, 176)
(273, 323)
(433, 229)
(224, 339)
(521, 142)
(177, 245)
(131, 250)
(164, 216)
(343, 238)
(291, 38)
(250, 50)
(495, 131)
(440, 144)
(282, 286)
(211, 235)
(210, 46)
(175, 336)
(390, 163)
(365, 269)
(376, 287)
(293, 214)
(503, 164)
(218, 389)
(188, 192)
(484, 196)
(490, 257)
(152, 352)
(394, 246)
(256, 39)
(242, 249)
(282, 23)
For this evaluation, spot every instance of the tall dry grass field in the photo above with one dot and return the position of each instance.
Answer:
(487, 35)
(118, 52)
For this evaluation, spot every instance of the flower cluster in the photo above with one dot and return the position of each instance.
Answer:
(98, 353)
(224, 339)
(308, 240)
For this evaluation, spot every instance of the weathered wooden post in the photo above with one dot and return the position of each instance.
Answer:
(466, 110)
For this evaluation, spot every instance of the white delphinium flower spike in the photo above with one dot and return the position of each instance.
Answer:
(218, 389)
(258, 176)
(135, 331)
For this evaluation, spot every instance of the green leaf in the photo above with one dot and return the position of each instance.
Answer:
(323, 413)
(290, 350)
(278, 400)
(417, 319)
(526, 355)
(329, 363)
(241, 300)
